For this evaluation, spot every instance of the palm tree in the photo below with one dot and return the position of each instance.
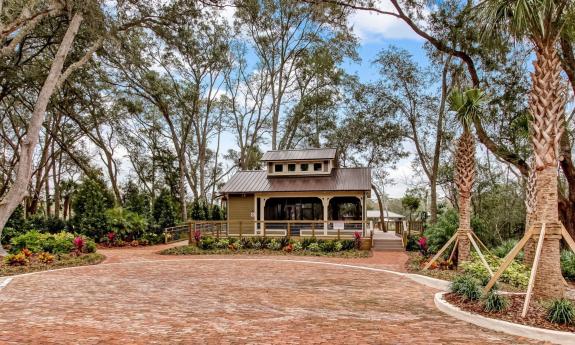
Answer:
(541, 23)
(467, 106)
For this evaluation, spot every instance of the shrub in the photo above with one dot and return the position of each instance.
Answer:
(151, 238)
(78, 244)
(45, 258)
(19, 259)
(516, 274)
(63, 243)
(197, 236)
(207, 243)
(222, 243)
(307, 241)
(347, 244)
(495, 302)
(125, 224)
(313, 247)
(504, 248)
(327, 246)
(466, 287)
(165, 213)
(274, 245)
(89, 246)
(9, 233)
(338, 246)
(568, 264)
(245, 242)
(33, 240)
(297, 246)
(561, 311)
(90, 202)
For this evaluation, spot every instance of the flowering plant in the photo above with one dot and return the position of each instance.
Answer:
(357, 240)
(422, 242)
(111, 235)
(197, 236)
(78, 244)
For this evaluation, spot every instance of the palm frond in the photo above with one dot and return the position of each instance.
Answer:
(467, 105)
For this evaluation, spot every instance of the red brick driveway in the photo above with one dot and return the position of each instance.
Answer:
(141, 298)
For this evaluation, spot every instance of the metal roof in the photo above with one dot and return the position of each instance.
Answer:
(306, 154)
(341, 179)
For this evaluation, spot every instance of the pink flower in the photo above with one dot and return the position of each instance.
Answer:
(79, 243)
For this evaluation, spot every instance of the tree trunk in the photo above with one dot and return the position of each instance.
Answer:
(463, 246)
(24, 169)
(433, 206)
(547, 107)
(381, 210)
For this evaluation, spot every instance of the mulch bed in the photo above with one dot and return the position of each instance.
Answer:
(536, 315)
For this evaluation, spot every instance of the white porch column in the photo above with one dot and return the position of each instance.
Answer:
(325, 201)
(262, 214)
(255, 214)
(361, 202)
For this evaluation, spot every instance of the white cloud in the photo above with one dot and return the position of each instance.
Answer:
(373, 27)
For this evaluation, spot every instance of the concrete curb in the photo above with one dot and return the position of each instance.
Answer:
(429, 281)
(556, 337)
(5, 282)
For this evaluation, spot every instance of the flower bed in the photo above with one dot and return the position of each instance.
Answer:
(39, 262)
(35, 251)
(267, 246)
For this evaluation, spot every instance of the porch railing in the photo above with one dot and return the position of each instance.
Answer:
(271, 228)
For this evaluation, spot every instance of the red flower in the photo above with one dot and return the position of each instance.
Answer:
(79, 243)
(111, 235)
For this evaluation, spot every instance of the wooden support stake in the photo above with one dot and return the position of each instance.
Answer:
(240, 229)
(190, 234)
(453, 250)
(288, 230)
(567, 237)
(480, 254)
(534, 271)
(508, 259)
(445, 246)
(479, 240)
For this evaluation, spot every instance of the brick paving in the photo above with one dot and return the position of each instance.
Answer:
(139, 297)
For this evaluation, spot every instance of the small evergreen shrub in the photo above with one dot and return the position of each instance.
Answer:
(313, 247)
(466, 287)
(45, 258)
(561, 311)
(274, 245)
(19, 259)
(297, 246)
(495, 302)
(207, 243)
(516, 274)
(504, 248)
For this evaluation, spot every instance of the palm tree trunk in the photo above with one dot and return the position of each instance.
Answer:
(463, 245)
(465, 177)
(547, 105)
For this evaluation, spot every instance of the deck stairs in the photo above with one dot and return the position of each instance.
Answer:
(387, 242)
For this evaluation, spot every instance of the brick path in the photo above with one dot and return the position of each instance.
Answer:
(142, 298)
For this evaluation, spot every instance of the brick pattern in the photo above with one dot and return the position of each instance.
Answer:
(193, 301)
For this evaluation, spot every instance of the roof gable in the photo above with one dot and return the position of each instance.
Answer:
(298, 155)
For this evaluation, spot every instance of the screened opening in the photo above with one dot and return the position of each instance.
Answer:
(304, 167)
(316, 166)
(294, 209)
(279, 168)
(291, 167)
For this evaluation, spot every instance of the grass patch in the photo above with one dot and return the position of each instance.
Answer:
(193, 250)
(60, 261)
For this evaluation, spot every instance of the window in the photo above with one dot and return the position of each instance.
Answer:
(316, 166)
(279, 168)
(291, 167)
(304, 167)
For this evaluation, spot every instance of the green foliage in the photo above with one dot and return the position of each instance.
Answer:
(207, 243)
(495, 302)
(33, 240)
(561, 311)
(568, 264)
(466, 287)
(504, 248)
(274, 244)
(135, 200)
(165, 214)
(467, 105)
(9, 233)
(127, 225)
(90, 203)
(60, 243)
(440, 232)
(218, 213)
(516, 274)
(410, 203)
